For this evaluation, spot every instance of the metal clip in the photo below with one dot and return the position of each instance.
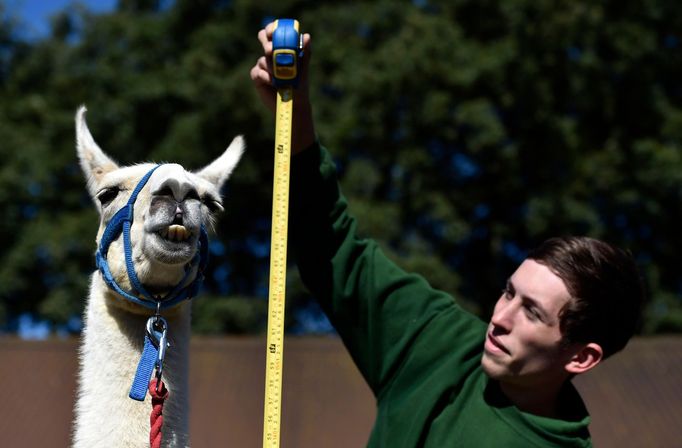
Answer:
(157, 330)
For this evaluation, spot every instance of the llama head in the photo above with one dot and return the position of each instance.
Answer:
(169, 212)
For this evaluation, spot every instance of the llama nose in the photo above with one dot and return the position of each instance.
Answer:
(177, 219)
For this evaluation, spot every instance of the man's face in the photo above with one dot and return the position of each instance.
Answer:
(523, 343)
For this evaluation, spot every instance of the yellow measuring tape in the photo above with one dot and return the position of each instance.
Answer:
(285, 64)
(278, 271)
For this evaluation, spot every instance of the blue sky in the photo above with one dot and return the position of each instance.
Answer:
(35, 14)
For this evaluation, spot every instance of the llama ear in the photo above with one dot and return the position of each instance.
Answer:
(220, 169)
(94, 162)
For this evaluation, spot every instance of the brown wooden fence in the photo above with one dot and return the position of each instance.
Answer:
(635, 399)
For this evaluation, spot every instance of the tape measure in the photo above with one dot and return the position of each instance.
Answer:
(287, 49)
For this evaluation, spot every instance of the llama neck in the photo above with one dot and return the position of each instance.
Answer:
(111, 348)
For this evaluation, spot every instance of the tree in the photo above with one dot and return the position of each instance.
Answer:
(465, 132)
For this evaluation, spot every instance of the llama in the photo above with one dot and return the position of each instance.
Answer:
(168, 222)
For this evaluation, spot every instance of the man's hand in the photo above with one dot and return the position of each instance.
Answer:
(303, 133)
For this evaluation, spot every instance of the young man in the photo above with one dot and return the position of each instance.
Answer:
(441, 376)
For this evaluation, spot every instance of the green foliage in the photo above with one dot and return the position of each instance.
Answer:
(466, 133)
(663, 315)
(219, 315)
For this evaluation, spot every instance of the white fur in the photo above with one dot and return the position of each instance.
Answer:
(114, 329)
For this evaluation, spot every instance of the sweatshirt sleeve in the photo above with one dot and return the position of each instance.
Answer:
(378, 309)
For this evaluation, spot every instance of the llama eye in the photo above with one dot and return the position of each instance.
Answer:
(192, 194)
(213, 205)
(165, 191)
(107, 195)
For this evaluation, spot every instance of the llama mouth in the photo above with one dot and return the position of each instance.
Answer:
(175, 233)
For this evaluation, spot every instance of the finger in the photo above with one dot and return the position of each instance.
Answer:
(269, 29)
(254, 73)
(265, 63)
(266, 42)
(307, 48)
(261, 76)
(307, 41)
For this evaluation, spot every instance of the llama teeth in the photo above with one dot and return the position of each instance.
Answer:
(177, 233)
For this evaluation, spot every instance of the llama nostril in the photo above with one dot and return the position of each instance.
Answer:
(178, 218)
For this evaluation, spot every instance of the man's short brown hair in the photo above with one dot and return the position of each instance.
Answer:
(607, 293)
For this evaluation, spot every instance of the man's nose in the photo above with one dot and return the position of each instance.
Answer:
(503, 316)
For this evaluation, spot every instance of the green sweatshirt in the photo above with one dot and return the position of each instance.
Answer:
(417, 349)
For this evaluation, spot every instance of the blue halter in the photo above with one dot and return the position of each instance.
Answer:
(121, 222)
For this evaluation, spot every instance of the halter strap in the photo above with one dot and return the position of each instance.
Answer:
(121, 223)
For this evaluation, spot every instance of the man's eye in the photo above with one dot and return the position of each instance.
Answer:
(106, 196)
(508, 293)
(532, 313)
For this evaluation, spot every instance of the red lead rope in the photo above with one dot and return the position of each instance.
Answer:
(156, 418)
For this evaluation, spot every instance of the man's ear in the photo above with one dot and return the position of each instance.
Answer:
(586, 358)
